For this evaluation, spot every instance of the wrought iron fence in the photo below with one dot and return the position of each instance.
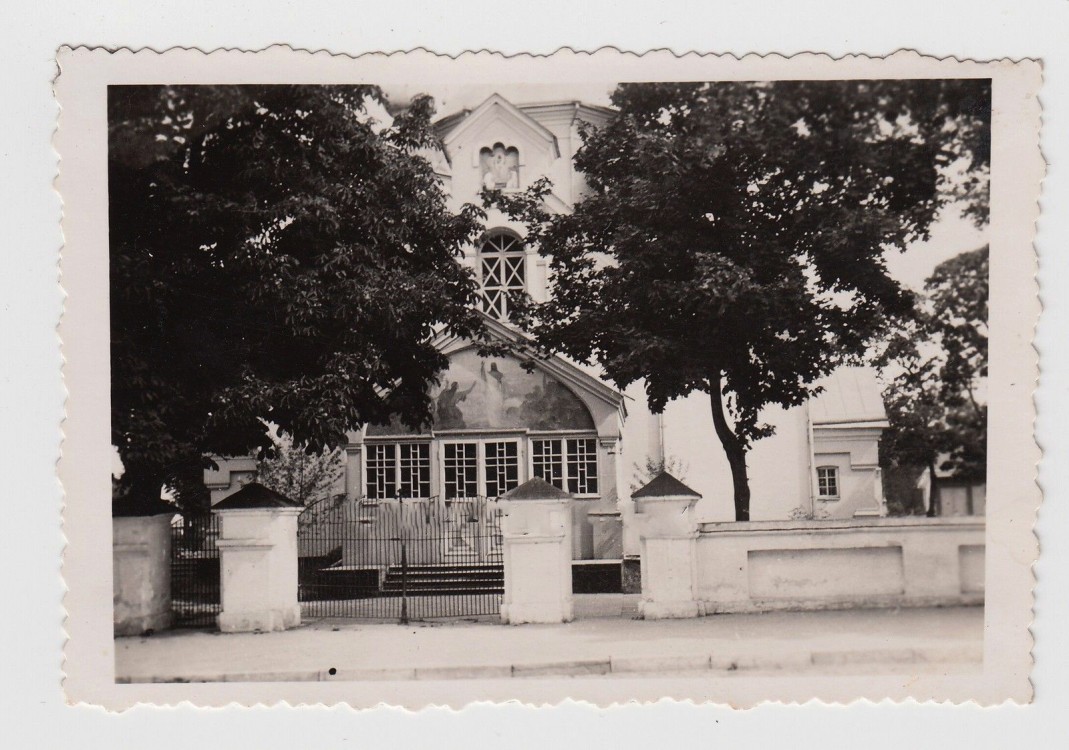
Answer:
(400, 559)
(195, 569)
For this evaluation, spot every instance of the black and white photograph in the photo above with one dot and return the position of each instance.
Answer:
(460, 381)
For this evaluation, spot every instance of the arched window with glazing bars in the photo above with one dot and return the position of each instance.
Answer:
(502, 271)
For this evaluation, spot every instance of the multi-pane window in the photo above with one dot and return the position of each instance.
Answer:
(547, 461)
(501, 266)
(391, 467)
(414, 461)
(502, 466)
(828, 482)
(567, 463)
(461, 464)
(474, 468)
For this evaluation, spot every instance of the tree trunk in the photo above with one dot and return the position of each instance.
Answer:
(733, 449)
(933, 491)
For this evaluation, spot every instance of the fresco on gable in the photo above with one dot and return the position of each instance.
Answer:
(500, 167)
(496, 393)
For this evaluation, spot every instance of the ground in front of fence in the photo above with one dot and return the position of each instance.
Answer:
(389, 608)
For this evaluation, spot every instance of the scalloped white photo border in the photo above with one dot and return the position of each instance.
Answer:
(1017, 170)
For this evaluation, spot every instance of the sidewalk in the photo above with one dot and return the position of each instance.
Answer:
(873, 640)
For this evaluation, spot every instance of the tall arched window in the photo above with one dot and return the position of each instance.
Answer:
(502, 270)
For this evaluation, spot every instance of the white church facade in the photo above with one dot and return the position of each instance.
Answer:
(498, 424)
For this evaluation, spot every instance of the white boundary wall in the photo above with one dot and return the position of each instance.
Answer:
(794, 565)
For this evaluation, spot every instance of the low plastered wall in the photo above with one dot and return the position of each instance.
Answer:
(809, 565)
(141, 553)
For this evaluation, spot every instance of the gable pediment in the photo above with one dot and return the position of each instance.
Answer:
(498, 120)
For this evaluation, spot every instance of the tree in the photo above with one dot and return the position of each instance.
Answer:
(936, 367)
(649, 470)
(732, 241)
(304, 477)
(278, 253)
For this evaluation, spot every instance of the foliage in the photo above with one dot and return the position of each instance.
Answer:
(646, 472)
(901, 493)
(306, 477)
(733, 237)
(936, 367)
(277, 253)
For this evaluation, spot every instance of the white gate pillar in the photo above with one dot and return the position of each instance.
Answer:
(668, 533)
(258, 561)
(537, 536)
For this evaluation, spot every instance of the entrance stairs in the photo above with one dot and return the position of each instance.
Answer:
(440, 579)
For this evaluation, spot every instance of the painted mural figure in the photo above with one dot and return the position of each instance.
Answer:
(500, 168)
(498, 393)
(447, 410)
(495, 393)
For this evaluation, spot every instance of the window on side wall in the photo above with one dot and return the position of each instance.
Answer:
(828, 482)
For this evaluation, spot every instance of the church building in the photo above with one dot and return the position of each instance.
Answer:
(496, 424)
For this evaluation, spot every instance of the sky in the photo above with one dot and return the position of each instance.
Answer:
(951, 234)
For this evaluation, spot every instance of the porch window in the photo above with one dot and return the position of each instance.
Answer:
(489, 468)
(461, 464)
(414, 461)
(569, 464)
(828, 482)
(502, 467)
(398, 466)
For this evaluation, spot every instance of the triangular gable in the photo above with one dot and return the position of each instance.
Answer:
(497, 104)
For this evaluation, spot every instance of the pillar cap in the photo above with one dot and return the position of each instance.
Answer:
(253, 496)
(664, 486)
(536, 489)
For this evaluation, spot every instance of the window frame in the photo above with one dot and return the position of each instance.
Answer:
(525, 459)
(563, 439)
(397, 467)
(836, 478)
(517, 252)
(481, 441)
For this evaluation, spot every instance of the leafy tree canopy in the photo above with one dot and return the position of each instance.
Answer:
(936, 367)
(734, 235)
(306, 478)
(276, 254)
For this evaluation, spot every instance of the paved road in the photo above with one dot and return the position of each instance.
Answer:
(829, 642)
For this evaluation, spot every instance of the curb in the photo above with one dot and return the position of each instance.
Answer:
(620, 665)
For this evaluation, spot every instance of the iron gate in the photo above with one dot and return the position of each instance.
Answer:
(400, 559)
(195, 569)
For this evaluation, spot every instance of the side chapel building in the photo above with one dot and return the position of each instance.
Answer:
(497, 425)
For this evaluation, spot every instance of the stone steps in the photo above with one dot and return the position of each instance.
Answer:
(446, 578)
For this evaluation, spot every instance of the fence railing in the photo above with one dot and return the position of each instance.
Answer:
(195, 586)
(401, 559)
